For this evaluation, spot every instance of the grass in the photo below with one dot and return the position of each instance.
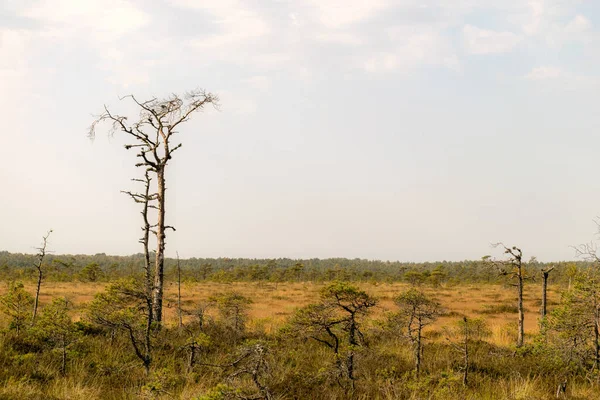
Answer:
(275, 303)
(99, 369)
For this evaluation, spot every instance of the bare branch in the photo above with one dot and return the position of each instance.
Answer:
(587, 251)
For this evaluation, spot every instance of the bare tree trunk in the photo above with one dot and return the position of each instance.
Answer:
(41, 255)
(147, 270)
(37, 294)
(516, 272)
(544, 293)
(418, 350)
(63, 368)
(545, 273)
(521, 333)
(179, 292)
(160, 246)
(597, 338)
(146, 240)
(148, 344)
(353, 343)
(192, 359)
(145, 199)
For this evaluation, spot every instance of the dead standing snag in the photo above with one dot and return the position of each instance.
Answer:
(515, 270)
(39, 267)
(153, 137)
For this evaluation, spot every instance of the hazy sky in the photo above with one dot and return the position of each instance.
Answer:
(391, 129)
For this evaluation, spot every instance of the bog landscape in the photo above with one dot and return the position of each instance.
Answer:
(299, 199)
(282, 328)
(148, 326)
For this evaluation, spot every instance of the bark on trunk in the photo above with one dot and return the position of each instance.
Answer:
(544, 293)
(353, 343)
(521, 333)
(40, 261)
(160, 247)
(147, 270)
(63, 368)
(37, 294)
(597, 340)
(418, 350)
(192, 359)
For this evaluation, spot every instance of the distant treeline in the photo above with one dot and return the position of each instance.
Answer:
(101, 268)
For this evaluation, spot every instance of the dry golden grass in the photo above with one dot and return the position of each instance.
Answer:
(274, 303)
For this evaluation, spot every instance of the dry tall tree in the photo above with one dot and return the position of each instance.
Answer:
(515, 271)
(39, 263)
(153, 133)
(545, 273)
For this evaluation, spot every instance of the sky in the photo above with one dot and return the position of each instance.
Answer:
(413, 130)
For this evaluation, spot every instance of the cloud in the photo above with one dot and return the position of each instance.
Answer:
(122, 72)
(414, 46)
(563, 79)
(543, 73)
(483, 41)
(339, 13)
(14, 45)
(532, 26)
(104, 21)
(544, 23)
(383, 62)
(237, 103)
(343, 38)
(259, 82)
(579, 24)
(237, 23)
(237, 34)
(14, 67)
(99, 25)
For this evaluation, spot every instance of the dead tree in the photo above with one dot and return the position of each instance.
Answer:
(253, 363)
(250, 362)
(545, 273)
(516, 271)
(41, 254)
(153, 136)
(466, 351)
(145, 199)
